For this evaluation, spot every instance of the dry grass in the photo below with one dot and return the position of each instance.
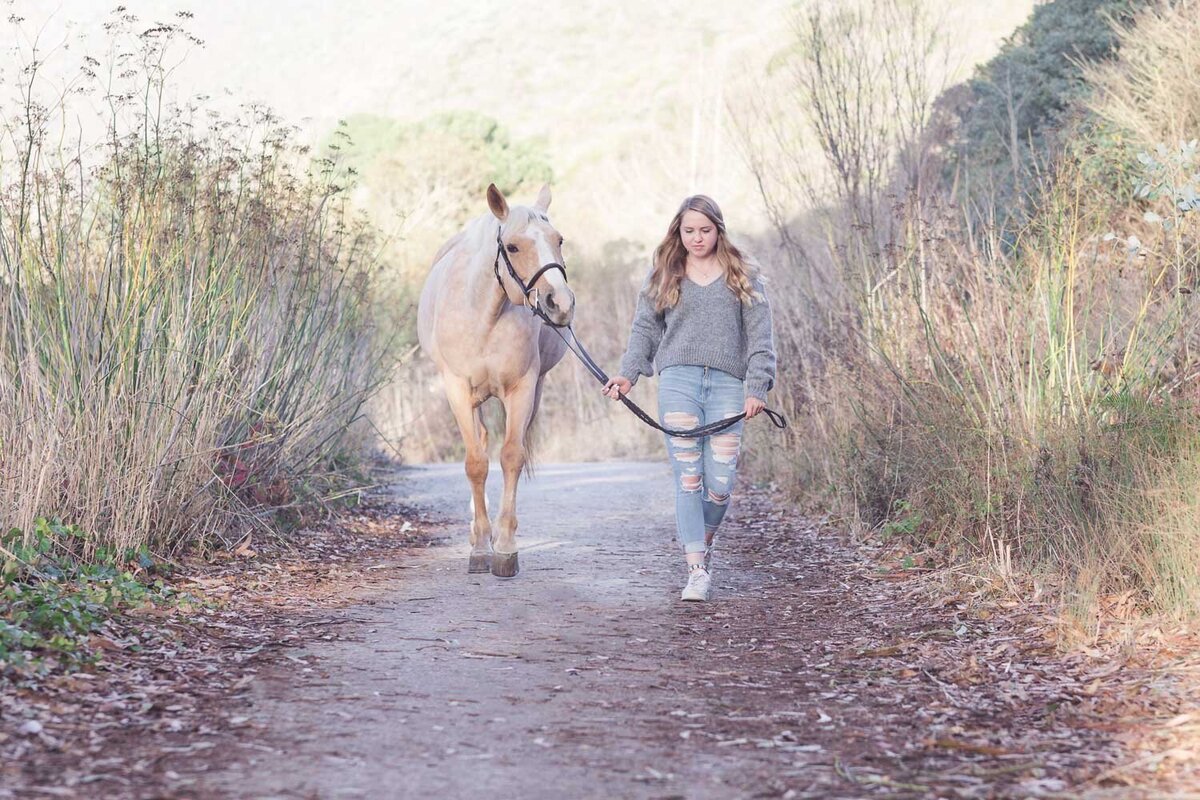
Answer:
(1028, 403)
(187, 336)
(1147, 94)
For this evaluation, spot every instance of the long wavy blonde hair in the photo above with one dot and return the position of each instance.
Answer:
(670, 258)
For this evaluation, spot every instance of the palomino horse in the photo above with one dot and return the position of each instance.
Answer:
(472, 321)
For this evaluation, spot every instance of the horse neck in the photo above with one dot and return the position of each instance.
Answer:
(482, 289)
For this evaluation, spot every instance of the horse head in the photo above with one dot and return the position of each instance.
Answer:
(529, 261)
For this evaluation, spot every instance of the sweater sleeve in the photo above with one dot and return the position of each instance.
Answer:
(760, 346)
(644, 338)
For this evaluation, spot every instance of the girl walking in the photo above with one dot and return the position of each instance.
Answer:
(704, 323)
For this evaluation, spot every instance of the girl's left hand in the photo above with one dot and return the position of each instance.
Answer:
(753, 406)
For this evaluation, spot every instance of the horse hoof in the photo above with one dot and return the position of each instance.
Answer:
(480, 562)
(504, 565)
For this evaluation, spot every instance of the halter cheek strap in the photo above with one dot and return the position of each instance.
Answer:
(526, 288)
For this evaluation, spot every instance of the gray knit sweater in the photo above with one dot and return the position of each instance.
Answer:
(708, 327)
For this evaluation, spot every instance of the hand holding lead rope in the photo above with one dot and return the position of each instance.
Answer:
(619, 385)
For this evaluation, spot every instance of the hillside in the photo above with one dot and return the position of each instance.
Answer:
(625, 95)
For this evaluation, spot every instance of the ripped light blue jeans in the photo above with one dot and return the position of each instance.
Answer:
(704, 468)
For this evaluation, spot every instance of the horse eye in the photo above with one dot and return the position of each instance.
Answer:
(512, 248)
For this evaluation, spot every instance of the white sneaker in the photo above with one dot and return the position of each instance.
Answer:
(697, 586)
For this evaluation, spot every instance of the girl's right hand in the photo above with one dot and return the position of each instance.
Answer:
(617, 385)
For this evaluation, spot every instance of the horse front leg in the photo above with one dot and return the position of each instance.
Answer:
(474, 436)
(518, 409)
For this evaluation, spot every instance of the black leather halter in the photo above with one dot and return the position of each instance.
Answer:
(527, 289)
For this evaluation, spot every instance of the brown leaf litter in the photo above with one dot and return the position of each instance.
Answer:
(884, 679)
(168, 680)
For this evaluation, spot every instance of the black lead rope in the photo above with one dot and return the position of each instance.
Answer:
(693, 433)
(576, 347)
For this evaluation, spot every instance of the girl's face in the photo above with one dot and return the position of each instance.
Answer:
(698, 233)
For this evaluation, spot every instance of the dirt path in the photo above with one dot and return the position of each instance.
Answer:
(809, 675)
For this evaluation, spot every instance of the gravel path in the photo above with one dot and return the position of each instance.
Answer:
(805, 676)
(536, 686)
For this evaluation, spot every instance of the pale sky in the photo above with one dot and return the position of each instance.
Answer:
(319, 59)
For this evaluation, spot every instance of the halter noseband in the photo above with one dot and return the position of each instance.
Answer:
(526, 289)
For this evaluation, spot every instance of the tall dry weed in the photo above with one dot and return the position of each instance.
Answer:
(187, 335)
(1025, 398)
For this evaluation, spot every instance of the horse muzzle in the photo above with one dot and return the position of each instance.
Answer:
(559, 305)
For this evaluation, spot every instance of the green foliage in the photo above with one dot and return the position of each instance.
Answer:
(22, 552)
(904, 521)
(456, 145)
(1106, 161)
(1022, 98)
(511, 164)
(52, 601)
(1171, 175)
(421, 181)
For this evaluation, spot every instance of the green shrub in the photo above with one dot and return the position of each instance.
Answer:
(1017, 103)
(52, 601)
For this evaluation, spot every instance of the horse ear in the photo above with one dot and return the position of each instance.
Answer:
(543, 199)
(497, 203)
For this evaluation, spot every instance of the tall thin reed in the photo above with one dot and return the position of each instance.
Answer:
(187, 336)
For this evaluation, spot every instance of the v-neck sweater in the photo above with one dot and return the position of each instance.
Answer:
(708, 327)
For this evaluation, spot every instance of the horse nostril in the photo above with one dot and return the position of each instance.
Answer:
(550, 304)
